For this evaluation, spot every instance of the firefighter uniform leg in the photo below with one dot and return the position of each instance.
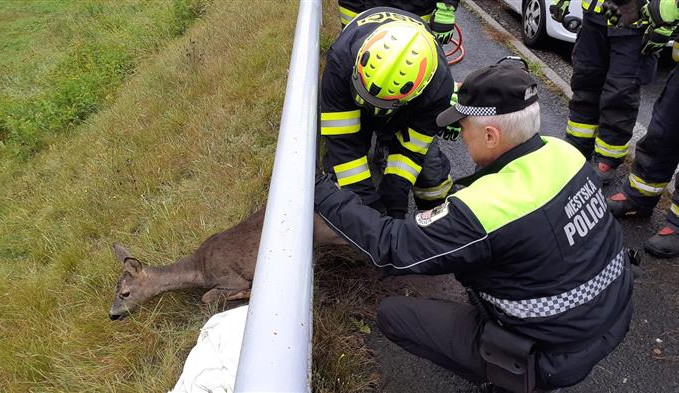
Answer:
(346, 154)
(434, 182)
(590, 66)
(445, 332)
(657, 153)
(619, 100)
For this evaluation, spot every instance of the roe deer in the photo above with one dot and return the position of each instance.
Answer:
(224, 264)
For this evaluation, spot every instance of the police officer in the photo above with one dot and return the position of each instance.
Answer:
(530, 237)
(657, 153)
(439, 14)
(607, 63)
(385, 74)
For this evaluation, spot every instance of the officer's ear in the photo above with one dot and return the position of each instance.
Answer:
(493, 137)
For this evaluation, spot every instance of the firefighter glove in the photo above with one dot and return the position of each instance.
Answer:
(655, 39)
(612, 12)
(661, 13)
(452, 131)
(442, 22)
(559, 9)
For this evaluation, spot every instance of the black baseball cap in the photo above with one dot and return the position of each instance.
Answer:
(501, 88)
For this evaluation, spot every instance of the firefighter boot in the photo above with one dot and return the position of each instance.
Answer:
(621, 206)
(664, 244)
(605, 171)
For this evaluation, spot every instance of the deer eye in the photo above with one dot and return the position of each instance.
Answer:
(125, 295)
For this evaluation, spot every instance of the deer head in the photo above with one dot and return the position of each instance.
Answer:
(132, 289)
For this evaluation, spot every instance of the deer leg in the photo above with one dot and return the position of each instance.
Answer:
(323, 235)
(216, 294)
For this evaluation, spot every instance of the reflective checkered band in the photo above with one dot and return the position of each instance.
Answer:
(476, 110)
(553, 305)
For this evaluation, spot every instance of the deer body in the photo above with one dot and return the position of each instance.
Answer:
(224, 264)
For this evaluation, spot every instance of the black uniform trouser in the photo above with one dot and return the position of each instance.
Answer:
(605, 88)
(447, 333)
(657, 153)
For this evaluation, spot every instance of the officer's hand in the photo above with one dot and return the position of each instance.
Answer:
(442, 22)
(655, 39)
(559, 9)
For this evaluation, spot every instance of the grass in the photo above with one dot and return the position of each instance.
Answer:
(180, 146)
(61, 61)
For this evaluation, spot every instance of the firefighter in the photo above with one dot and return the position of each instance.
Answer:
(386, 75)
(530, 237)
(439, 14)
(609, 64)
(657, 153)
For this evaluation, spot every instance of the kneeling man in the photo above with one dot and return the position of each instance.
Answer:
(530, 237)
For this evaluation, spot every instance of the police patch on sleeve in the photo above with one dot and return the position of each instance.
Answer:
(426, 218)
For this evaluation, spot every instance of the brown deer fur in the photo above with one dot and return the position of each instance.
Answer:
(224, 264)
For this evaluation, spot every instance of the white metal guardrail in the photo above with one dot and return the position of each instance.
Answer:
(276, 351)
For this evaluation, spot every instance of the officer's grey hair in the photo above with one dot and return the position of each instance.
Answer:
(518, 126)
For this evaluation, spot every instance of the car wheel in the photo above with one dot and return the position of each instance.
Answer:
(533, 17)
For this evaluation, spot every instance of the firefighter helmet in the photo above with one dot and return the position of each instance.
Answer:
(394, 65)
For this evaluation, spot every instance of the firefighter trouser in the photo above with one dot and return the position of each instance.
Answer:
(350, 8)
(346, 158)
(657, 153)
(605, 87)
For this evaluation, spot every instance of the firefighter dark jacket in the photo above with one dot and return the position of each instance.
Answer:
(348, 129)
(532, 237)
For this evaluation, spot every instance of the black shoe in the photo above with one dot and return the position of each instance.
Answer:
(621, 206)
(664, 244)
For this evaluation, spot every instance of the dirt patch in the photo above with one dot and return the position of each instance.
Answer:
(348, 290)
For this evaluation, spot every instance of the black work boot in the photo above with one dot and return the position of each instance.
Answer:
(621, 206)
(664, 244)
(605, 171)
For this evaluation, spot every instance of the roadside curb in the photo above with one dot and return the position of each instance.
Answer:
(547, 71)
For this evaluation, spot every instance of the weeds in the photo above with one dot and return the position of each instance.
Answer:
(79, 53)
(182, 149)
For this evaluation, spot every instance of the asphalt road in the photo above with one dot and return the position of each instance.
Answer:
(648, 359)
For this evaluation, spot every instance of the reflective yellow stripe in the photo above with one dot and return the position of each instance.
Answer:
(433, 193)
(338, 123)
(607, 150)
(426, 17)
(674, 209)
(352, 172)
(400, 165)
(648, 189)
(597, 7)
(418, 143)
(581, 130)
(346, 15)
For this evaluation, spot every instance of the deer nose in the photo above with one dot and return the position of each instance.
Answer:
(114, 317)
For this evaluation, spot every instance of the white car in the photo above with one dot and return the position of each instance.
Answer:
(537, 24)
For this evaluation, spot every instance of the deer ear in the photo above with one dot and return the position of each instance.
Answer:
(132, 265)
(121, 252)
